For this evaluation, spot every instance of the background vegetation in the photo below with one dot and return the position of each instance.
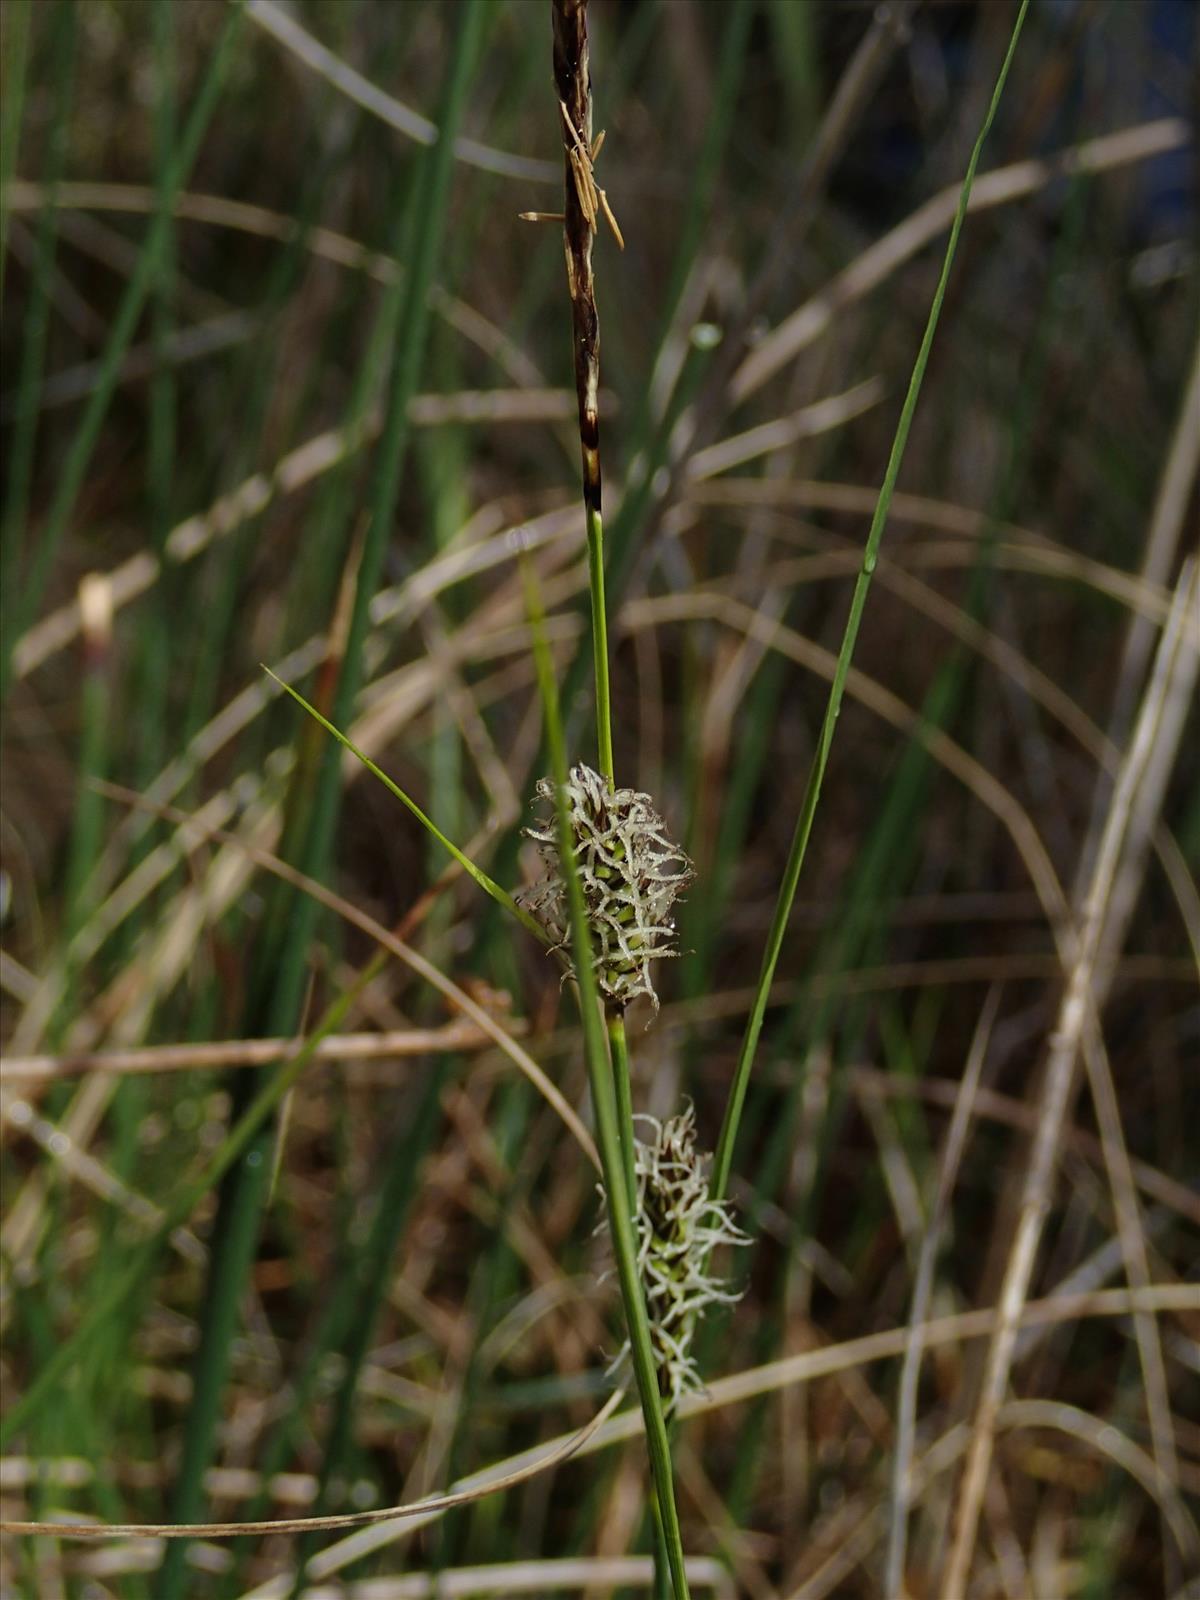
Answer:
(267, 349)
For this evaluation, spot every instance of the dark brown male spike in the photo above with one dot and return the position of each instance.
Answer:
(573, 80)
(585, 204)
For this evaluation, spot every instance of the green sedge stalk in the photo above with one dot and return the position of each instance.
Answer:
(608, 1138)
(595, 548)
(723, 1161)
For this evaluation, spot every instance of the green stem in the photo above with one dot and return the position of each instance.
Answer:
(608, 1138)
(723, 1160)
(16, 59)
(426, 212)
(281, 956)
(145, 275)
(19, 455)
(365, 1281)
(619, 1049)
(595, 544)
(49, 1381)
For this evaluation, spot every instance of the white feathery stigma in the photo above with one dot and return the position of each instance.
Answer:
(678, 1227)
(631, 874)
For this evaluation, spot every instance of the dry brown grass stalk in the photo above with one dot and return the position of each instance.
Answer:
(1076, 1018)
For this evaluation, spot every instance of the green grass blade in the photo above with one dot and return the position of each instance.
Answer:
(424, 229)
(723, 1160)
(20, 452)
(16, 59)
(489, 885)
(365, 1283)
(281, 969)
(45, 1387)
(595, 551)
(608, 1138)
(145, 275)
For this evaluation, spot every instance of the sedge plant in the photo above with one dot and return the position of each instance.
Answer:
(611, 872)
(608, 937)
(611, 876)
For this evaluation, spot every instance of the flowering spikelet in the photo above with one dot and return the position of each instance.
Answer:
(678, 1225)
(630, 872)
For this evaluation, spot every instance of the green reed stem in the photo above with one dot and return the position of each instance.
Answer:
(595, 545)
(608, 1137)
(723, 1161)
(618, 1046)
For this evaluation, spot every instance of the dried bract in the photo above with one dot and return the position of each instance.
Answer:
(631, 875)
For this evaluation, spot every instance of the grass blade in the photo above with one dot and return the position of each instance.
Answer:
(489, 885)
(723, 1161)
(145, 275)
(600, 1078)
(280, 977)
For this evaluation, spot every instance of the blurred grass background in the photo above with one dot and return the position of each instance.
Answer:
(282, 375)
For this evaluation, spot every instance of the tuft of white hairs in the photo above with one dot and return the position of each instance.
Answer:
(679, 1225)
(631, 874)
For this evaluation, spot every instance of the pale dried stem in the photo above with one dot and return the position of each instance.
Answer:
(767, 1379)
(340, 1047)
(1131, 1235)
(389, 703)
(294, 471)
(884, 35)
(72, 1159)
(1076, 1018)
(906, 1409)
(780, 579)
(884, 704)
(1128, 877)
(467, 1491)
(1026, 549)
(822, 416)
(283, 27)
(1167, 521)
(216, 210)
(1156, 1185)
(470, 1009)
(776, 1375)
(1104, 1439)
(855, 1539)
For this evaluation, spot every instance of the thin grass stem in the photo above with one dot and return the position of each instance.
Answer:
(723, 1161)
(488, 884)
(595, 547)
(145, 277)
(618, 1044)
(608, 1138)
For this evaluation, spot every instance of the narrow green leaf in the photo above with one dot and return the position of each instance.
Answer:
(489, 885)
(608, 1139)
(723, 1160)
